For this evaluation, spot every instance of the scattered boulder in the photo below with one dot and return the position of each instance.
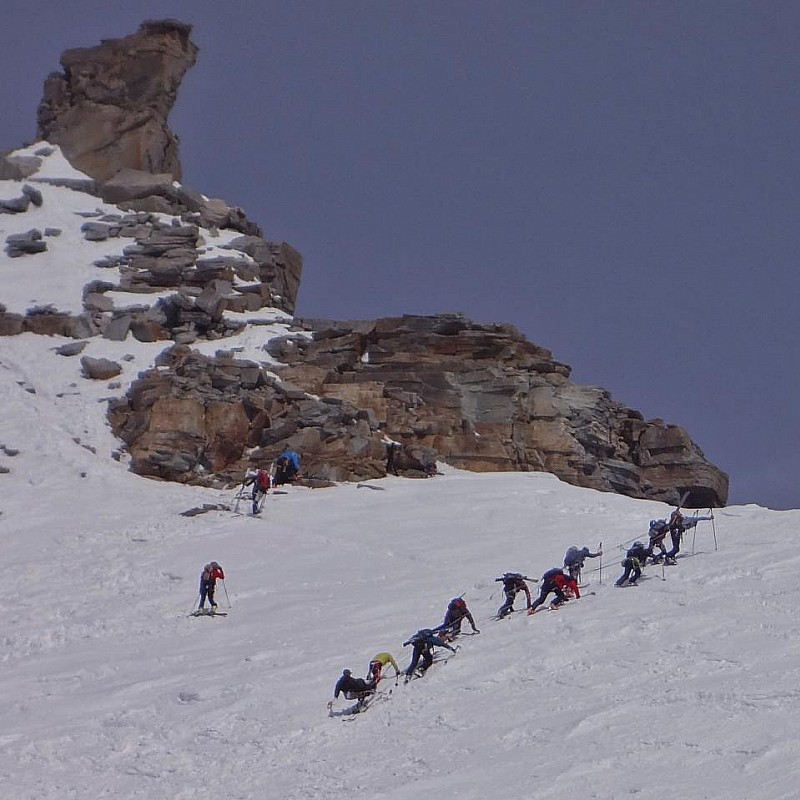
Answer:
(28, 243)
(100, 369)
(16, 205)
(71, 348)
(34, 195)
(136, 184)
(18, 168)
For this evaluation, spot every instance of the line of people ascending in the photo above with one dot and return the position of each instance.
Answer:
(563, 583)
(422, 643)
(636, 556)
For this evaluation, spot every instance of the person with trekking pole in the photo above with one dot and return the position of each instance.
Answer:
(575, 558)
(513, 583)
(455, 615)
(212, 572)
(559, 583)
(376, 666)
(423, 641)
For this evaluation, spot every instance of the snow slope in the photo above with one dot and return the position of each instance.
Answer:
(684, 687)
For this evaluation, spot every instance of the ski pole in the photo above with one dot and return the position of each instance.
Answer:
(600, 548)
(196, 603)
(713, 528)
(694, 536)
(222, 581)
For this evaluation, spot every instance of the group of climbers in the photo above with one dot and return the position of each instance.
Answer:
(563, 583)
(636, 556)
(286, 469)
(422, 643)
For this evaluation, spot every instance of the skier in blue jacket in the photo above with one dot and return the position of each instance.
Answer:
(678, 525)
(456, 613)
(574, 558)
(287, 467)
(424, 640)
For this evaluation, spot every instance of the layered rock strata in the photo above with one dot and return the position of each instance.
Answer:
(479, 397)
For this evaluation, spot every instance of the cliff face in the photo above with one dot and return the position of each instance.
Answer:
(478, 397)
(483, 397)
(108, 109)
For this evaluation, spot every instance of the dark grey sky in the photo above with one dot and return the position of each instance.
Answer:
(618, 179)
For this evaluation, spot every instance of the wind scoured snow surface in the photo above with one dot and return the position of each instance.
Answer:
(684, 687)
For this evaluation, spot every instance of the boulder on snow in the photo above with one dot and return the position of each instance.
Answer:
(100, 369)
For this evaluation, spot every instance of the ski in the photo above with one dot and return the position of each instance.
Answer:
(497, 617)
(361, 706)
(207, 614)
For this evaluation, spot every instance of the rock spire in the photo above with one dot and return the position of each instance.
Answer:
(108, 109)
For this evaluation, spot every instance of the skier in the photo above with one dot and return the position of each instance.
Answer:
(513, 582)
(574, 558)
(287, 467)
(555, 581)
(376, 665)
(208, 583)
(353, 689)
(675, 525)
(678, 525)
(423, 641)
(456, 613)
(658, 532)
(261, 482)
(633, 563)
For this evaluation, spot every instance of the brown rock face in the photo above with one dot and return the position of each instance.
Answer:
(480, 397)
(109, 108)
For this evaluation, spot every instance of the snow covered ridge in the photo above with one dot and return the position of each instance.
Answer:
(157, 238)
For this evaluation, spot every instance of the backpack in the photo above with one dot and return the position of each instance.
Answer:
(263, 480)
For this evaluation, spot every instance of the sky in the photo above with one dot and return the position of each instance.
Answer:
(111, 689)
(619, 180)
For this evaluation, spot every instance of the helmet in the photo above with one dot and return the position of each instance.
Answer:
(424, 632)
(653, 523)
(638, 544)
(346, 673)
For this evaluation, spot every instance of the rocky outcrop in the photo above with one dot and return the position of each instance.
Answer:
(479, 397)
(483, 397)
(199, 419)
(108, 109)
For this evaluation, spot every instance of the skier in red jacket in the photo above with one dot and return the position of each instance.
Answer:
(261, 483)
(556, 581)
(208, 583)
